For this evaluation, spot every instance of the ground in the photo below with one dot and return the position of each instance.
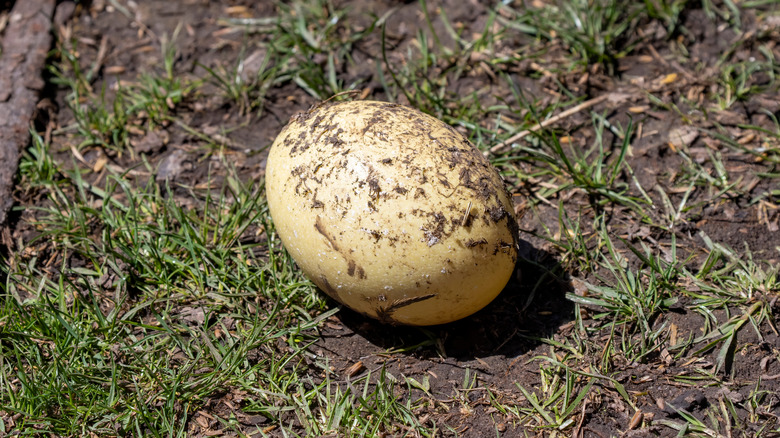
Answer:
(146, 293)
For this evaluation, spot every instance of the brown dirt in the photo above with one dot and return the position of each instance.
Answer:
(500, 343)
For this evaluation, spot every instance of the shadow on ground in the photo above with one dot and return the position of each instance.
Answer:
(532, 306)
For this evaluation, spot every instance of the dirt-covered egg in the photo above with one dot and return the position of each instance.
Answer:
(391, 212)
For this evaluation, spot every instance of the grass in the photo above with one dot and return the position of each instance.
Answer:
(240, 86)
(132, 305)
(106, 119)
(149, 309)
(598, 32)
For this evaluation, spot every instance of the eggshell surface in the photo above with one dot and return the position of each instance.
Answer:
(391, 212)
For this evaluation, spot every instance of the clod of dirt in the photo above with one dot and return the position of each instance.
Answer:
(151, 142)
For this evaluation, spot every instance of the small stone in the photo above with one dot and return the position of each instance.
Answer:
(172, 165)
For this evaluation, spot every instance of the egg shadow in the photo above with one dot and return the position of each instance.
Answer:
(532, 305)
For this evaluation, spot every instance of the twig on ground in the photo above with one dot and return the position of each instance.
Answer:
(568, 113)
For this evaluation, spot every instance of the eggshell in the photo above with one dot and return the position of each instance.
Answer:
(391, 212)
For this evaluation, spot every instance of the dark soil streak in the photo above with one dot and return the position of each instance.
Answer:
(328, 288)
(471, 243)
(321, 229)
(385, 314)
(352, 267)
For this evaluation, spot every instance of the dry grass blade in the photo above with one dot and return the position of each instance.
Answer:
(552, 120)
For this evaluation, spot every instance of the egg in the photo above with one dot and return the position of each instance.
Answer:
(391, 212)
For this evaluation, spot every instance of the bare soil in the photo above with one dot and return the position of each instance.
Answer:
(501, 343)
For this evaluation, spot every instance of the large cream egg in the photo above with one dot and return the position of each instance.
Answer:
(391, 212)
